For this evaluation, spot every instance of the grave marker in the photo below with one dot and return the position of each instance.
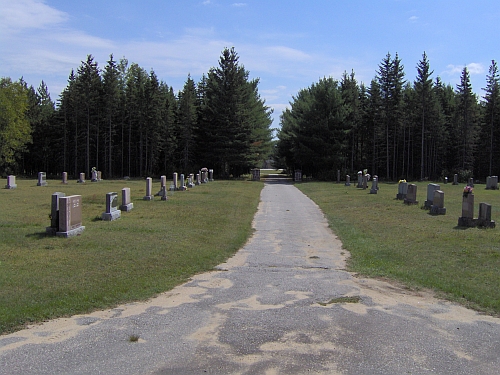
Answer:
(411, 195)
(182, 186)
(94, 176)
(374, 188)
(298, 175)
(11, 182)
(484, 219)
(126, 203)
(210, 175)
(42, 179)
(492, 183)
(437, 207)
(70, 216)
(64, 178)
(431, 188)
(112, 211)
(198, 179)
(174, 180)
(256, 174)
(81, 179)
(54, 213)
(455, 179)
(149, 189)
(402, 190)
(347, 180)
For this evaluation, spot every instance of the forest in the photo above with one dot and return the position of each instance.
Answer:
(394, 128)
(124, 121)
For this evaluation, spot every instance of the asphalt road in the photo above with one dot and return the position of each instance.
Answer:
(270, 309)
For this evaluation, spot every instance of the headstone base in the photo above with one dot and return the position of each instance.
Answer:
(373, 191)
(409, 201)
(13, 186)
(347, 184)
(51, 231)
(428, 204)
(492, 188)
(43, 183)
(71, 233)
(164, 197)
(110, 216)
(190, 185)
(182, 188)
(400, 197)
(436, 210)
(472, 223)
(80, 181)
(126, 207)
(148, 198)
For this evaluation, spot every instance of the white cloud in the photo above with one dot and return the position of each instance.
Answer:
(413, 19)
(473, 68)
(239, 4)
(22, 14)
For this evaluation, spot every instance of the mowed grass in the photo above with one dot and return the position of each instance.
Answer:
(389, 239)
(149, 250)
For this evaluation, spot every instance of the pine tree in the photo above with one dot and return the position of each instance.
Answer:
(187, 122)
(491, 118)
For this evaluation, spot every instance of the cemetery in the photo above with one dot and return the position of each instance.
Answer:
(384, 236)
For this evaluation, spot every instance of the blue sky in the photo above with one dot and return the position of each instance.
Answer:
(288, 45)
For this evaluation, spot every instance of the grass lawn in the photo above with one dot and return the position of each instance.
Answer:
(389, 239)
(157, 245)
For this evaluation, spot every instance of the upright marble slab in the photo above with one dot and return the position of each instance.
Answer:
(70, 216)
(112, 212)
(126, 205)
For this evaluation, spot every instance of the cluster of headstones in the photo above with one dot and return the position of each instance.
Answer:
(363, 179)
(42, 179)
(435, 203)
(205, 175)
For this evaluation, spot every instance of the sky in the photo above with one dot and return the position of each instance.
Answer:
(287, 45)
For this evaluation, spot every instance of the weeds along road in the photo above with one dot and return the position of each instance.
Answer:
(279, 306)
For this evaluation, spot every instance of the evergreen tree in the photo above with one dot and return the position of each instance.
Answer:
(491, 118)
(228, 120)
(467, 117)
(187, 122)
(111, 108)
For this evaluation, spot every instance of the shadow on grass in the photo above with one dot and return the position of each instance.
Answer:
(38, 235)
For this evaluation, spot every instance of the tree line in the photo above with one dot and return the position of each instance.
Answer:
(395, 128)
(126, 122)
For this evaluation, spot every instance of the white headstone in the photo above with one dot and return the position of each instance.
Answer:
(126, 201)
(11, 182)
(112, 211)
(149, 189)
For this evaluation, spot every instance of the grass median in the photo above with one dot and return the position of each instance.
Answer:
(389, 239)
(149, 250)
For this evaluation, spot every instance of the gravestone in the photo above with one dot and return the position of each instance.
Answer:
(210, 175)
(54, 214)
(431, 188)
(492, 183)
(182, 186)
(411, 195)
(256, 174)
(455, 179)
(112, 211)
(484, 219)
(338, 176)
(437, 207)
(163, 181)
(174, 180)
(11, 182)
(81, 179)
(149, 189)
(365, 182)
(70, 216)
(446, 180)
(467, 218)
(99, 176)
(347, 180)
(374, 188)
(191, 180)
(204, 175)
(402, 190)
(126, 202)
(470, 182)
(64, 178)
(298, 175)
(42, 179)
(360, 180)
(198, 179)
(94, 176)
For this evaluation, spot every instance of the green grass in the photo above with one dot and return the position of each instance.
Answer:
(389, 239)
(151, 249)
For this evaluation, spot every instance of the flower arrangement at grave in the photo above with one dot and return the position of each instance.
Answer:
(401, 181)
(467, 190)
